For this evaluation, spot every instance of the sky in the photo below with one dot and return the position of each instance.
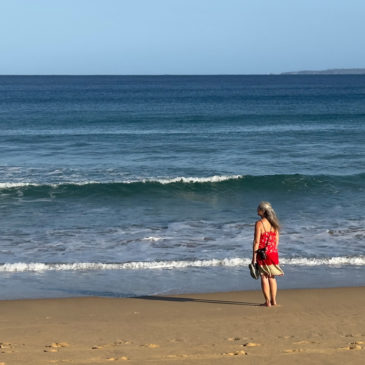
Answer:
(132, 37)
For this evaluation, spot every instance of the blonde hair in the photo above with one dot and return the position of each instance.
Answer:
(269, 214)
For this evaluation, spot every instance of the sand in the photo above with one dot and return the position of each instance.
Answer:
(311, 326)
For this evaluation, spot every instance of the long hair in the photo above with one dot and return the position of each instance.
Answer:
(269, 214)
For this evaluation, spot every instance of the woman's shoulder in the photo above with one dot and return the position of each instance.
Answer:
(258, 224)
(265, 225)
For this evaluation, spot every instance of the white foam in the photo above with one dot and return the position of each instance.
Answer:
(153, 239)
(164, 181)
(8, 185)
(153, 265)
(142, 265)
(331, 261)
(215, 178)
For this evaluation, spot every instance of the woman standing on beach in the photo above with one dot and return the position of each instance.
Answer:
(266, 240)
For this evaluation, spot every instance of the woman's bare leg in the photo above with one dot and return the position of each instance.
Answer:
(265, 286)
(273, 289)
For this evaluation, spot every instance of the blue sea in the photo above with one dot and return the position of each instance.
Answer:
(138, 185)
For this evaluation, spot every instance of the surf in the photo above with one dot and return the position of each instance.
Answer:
(158, 186)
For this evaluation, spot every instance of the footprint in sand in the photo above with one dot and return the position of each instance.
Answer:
(171, 356)
(152, 345)
(233, 338)
(115, 343)
(53, 347)
(176, 340)
(58, 344)
(285, 337)
(291, 351)
(6, 347)
(117, 358)
(235, 353)
(303, 342)
(351, 347)
(97, 347)
(122, 342)
(356, 345)
(251, 344)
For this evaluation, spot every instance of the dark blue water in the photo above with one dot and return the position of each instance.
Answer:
(149, 184)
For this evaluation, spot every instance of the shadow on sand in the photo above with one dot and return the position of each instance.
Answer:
(211, 301)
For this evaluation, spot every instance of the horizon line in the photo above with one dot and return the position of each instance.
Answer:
(162, 74)
(293, 73)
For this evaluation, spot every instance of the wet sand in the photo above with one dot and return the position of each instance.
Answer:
(324, 326)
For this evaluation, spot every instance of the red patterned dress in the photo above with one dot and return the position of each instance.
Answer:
(269, 266)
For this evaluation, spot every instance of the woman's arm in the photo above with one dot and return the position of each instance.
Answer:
(256, 241)
(277, 238)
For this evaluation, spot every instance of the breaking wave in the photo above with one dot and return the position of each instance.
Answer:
(157, 186)
(157, 265)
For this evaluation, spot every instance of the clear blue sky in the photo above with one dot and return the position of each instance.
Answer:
(180, 36)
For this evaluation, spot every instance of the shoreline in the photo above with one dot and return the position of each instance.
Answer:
(134, 283)
(201, 328)
(183, 294)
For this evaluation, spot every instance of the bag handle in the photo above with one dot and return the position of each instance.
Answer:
(267, 240)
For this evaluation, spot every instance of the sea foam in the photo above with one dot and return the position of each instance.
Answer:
(156, 265)
(163, 181)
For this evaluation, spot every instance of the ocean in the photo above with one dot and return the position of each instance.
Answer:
(137, 185)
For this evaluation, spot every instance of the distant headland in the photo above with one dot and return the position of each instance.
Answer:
(334, 71)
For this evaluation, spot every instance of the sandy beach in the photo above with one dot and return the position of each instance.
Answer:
(309, 326)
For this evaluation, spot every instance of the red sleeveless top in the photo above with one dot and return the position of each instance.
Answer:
(268, 240)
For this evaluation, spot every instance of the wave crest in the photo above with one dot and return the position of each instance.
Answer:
(163, 181)
(216, 183)
(157, 265)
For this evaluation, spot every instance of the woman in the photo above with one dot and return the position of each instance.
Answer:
(267, 238)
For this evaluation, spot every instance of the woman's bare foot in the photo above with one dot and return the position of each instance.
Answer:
(266, 304)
